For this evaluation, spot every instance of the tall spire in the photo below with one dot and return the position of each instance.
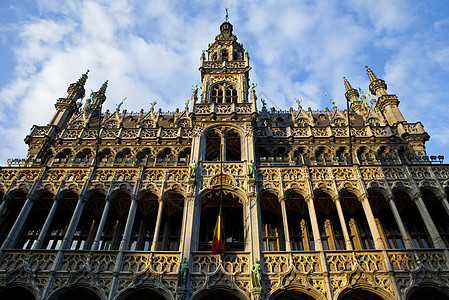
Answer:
(371, 76)
(99, 97)
(104, 87)
(76, 90)
(351, 93)
(83, 79)
(377, 86)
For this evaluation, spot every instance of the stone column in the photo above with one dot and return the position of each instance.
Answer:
(288, 246)
(51, 214)
(124, 244)
(343, 223)
(66, 243)
(442, 197)
(102, 223)
(158, 225)
(314, 223)
(378, 243)
(191, 224)
(397, 217)
(434, 234)
(3, 206)
(20, 222)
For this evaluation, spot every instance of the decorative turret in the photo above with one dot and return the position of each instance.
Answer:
(66, 106)
(76, 90)
(225, 75)
(99, 97)
(387, 104)
(377, 86)
(351, 93)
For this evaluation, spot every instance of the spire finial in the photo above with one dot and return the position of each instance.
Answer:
(348, 86)
(371, 75)
(103, 87)
(227, 15)
(83, 79)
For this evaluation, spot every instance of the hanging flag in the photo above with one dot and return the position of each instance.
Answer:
(216, 240)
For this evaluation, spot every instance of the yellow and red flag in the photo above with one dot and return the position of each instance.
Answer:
(216, 240)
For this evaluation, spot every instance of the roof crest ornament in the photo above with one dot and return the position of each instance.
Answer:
(227, 15)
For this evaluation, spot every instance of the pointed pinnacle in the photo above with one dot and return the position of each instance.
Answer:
(371, 75)
(347, 84)
(103, 87)
(83, 79)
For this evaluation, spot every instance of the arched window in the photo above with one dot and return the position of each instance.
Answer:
(213, 140)
(272, 226)
(328, 222)
(385, 221)
(231, 94)
(359, 230)
(11, 213)
(299, 227)
(412, 220)
(232, 222)
(223, 93)
(84, 235)
(35, 221)
(438, 213)
(233, 146)
(217, 93)
(144, 222)
(60, 221)
(224, 55)
(228, 143)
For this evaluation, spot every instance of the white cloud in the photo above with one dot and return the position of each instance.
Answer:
(149, 50)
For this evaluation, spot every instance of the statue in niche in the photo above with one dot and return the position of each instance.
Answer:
(256, 275)
(251, 170)
(192, 169)
(183, 274)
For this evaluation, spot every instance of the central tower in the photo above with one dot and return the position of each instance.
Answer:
(225, 75)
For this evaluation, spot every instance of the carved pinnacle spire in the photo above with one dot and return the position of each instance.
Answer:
(371, 75)
(347, 84)
(83, 79)
(351, 93)
(103, 87)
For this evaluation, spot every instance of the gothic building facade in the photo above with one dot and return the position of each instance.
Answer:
(330, 204)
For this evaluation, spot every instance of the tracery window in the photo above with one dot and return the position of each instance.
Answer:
(227, 144)
(299, 229)
(35, 221)
(11, 213)
(232, 222)
(84, 235)
(412, 220)
(272, 223)
(223, 93)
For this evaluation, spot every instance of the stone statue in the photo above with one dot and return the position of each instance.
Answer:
(183, 273)
(331, 101)
(187, 104)
(192, 169)
(256, 276)
(253, 86)
(88, 102)
(121, 103)
(264, 103)
(298, 101)
(251, 170)
(195, 89)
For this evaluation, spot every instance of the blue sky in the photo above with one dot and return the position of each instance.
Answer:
(150, 50)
